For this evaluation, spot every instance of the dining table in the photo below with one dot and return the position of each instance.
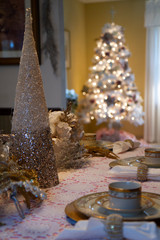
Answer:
(47, 219)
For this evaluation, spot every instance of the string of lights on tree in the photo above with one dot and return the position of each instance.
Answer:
(110, 92)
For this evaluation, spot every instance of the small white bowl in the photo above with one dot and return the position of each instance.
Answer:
(125, 195)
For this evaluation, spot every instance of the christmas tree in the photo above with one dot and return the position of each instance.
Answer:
(110, 93)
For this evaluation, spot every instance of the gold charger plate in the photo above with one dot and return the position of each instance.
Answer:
(132, 161)
(88, 207)
(73, 213)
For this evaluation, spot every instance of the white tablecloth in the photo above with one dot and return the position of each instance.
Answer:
(47, 220)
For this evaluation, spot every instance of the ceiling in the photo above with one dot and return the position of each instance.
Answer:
(92, 1)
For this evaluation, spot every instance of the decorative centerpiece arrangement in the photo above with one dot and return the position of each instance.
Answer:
(66, 134)
(31, 142)
(14, 180)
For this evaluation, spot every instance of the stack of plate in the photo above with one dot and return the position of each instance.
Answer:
(97, 205)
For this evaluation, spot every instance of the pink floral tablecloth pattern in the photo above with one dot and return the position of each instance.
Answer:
(48, 219)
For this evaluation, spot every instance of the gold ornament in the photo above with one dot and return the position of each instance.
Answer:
(31, 142)
(96, 148)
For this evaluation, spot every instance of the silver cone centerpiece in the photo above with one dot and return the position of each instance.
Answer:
(31, 143)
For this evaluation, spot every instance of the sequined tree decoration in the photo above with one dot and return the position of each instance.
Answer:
(31, 143)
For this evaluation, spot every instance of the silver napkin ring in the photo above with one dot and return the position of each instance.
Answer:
(114, 227)
(142, 172)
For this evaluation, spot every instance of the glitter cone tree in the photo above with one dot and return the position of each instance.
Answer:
(31, 143)
(110, 93)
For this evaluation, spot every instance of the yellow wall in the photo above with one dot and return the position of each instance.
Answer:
(74, 21)
(130, 15)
